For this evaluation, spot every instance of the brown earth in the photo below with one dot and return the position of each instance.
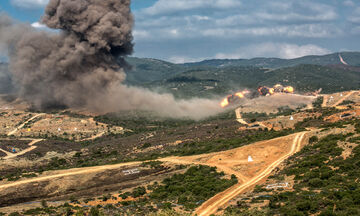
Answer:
(267, 155)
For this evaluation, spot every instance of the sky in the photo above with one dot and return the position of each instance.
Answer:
(193, 30)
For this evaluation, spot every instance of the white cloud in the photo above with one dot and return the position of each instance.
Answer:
(38, 25)
(171, 6)
(280, 50)
(203, 28)
(30, 4)
(298, 12)
(141, 34)
(183, 59)
(306, 31)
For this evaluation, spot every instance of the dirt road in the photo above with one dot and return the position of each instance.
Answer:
(211, 206)
(70, 172)
(267, 156)
(23, 124)
(32, 147)
(222, 165)
(343, 98)
(325, 101)
(239, 117)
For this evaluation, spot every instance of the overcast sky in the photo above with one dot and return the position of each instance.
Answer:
(193, 30)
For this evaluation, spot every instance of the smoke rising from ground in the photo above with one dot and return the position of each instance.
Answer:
(82, 65)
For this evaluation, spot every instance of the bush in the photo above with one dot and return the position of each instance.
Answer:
(138, 192)
(94, 211)
(313, 139)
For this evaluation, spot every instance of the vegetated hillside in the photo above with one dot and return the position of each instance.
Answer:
(352, 58)
(207, 81)
(147, 70)
(325, 173)
(312, 77)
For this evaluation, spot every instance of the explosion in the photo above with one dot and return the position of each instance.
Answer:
(232, 98)
(278, 88)
(262, 91)
(289, 89)
(81, 64)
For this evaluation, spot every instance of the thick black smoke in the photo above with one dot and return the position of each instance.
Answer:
(78, 66)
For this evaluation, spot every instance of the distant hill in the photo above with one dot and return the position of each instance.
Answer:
(206, 82)
(147, 70)
(352, 58)
(219, 77)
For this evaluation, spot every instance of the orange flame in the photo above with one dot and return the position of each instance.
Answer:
(224, 103)
(289, 89)
(271, 91)
(240, 95)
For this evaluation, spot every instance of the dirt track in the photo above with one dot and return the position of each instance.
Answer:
(225, 165)
(239, 117)
(32, 147)
(344, 98)
(329, 100)
(211, 206)
(23, 124)
(70, 172)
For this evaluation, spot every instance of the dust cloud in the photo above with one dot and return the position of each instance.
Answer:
(81, 65)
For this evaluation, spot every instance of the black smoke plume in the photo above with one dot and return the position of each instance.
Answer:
(80, 65)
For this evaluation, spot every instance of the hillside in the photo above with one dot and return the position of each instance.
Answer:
(132, 163)
(352, 58)
(144, 70)
(219, 77)
(208, 81)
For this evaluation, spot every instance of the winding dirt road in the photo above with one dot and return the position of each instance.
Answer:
(213, 204)
(32, 147)
(23, 124)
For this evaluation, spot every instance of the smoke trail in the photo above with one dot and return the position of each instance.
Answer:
(82, 65)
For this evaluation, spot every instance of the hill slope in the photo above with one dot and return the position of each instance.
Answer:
(206, 82)
(147, 70)
(352, 58)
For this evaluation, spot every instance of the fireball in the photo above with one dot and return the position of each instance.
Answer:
(271, 91)
(289, 89)
(233, 98)
(240, 94)
(224, 103)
